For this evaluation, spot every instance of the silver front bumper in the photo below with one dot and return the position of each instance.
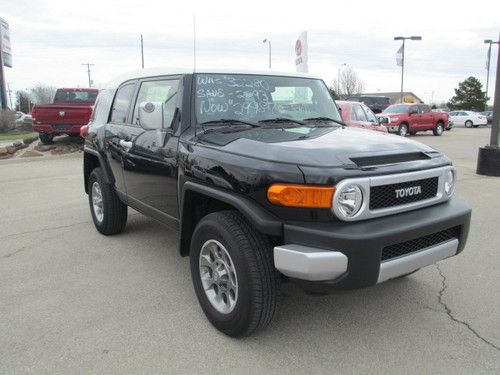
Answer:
(312, 264)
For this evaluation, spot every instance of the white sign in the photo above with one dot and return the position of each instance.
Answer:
(5, 42)
(301, 53)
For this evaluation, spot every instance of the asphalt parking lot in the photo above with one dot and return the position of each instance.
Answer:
(74, 301)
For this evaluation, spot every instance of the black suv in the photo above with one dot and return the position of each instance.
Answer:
(376, 103)
(264, 184)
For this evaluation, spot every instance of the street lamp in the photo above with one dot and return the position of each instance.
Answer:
(488, 161)
(490, 42)
(403, 38)
(268, 41)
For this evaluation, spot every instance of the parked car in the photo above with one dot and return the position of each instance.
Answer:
(263, 184)
(488, 115)
(71, 109)
(376, 103)
(412, 118)
(469, 119)
(360, 116)
(22, 117)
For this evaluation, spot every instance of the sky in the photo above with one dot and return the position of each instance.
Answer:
(51, 39)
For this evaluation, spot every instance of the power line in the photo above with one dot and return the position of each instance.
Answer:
(88, 65)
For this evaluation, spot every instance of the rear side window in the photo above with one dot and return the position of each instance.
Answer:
(382, 100)
(367, 100)
(121, 103)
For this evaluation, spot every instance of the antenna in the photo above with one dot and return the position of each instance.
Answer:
(142, 52)
(194, 42)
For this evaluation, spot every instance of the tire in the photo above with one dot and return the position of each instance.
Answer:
(468, 124)
(110, 214)
(438, 130)
(46, 138)
(251, 293)
(403, 130)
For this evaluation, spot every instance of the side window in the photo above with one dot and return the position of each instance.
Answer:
(369, 114)
(357, 113)
(121, 103)
(164, 91)
(367, 101)
(424, 109)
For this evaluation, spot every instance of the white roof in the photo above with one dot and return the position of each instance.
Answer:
(155, 72)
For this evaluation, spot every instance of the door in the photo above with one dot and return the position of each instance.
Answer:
(150, 155)
(426, 117)
(116, 132)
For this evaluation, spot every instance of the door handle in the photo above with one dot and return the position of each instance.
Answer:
(126, 145)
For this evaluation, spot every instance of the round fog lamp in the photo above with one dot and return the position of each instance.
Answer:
(449, 182)
(350, 199)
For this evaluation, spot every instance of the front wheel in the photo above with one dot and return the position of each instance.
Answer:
(108, 212)
(233, 273)
(468, 124)
(403, 130)
(438, 130)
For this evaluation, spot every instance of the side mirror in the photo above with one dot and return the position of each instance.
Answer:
(151, 115)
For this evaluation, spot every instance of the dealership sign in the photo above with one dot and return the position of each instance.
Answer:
(5, 43)
(301, 53)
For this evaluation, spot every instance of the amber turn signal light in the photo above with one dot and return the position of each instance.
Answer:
(300, 195)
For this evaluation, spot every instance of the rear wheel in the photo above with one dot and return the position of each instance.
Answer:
(403, 130)
(46, 138)
(438, 130)
(233, 273)
(468, 124)
(108, 212)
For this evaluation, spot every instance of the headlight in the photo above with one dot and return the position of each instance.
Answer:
(449, 182)
(349, 200)
(393, 119)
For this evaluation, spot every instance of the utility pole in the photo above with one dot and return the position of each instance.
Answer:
(142, 52)
(268, 41)
(403, 38)
(3, 94)
(88, 65)
(10, 94)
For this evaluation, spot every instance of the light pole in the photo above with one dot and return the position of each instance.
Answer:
(403, 38)
(490, 42)
(88, 65)
(488, 162)
(268, 41)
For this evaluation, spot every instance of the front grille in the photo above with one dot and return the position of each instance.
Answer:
(397, 194)
(404, 248)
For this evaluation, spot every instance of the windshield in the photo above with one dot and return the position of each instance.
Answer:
(75, 96)
(396, 109)
(254, 98)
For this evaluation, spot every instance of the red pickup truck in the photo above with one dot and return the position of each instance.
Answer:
(70, 110)
(412, 118)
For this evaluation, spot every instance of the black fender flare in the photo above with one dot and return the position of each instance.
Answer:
(264, 221)
(103, 164)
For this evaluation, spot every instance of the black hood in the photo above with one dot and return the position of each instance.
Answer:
(334, 148)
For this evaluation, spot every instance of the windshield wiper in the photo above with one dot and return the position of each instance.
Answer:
(281, 120)
(322, 118)
(229, 121)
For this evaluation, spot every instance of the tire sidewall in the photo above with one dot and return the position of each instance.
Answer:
(403, 126)
(210, 229)
(439, 129)
(468, 124)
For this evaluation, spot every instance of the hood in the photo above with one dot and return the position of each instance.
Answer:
(335, 148)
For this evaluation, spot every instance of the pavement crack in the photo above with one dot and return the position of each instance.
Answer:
(44, 229)
(448, 311)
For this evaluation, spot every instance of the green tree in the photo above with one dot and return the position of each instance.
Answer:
(469, 96)
(333, 93)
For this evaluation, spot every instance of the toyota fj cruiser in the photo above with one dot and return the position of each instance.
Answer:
(264, 184)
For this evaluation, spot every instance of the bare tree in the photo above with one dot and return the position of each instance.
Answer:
(348, 83)
(42, 94)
